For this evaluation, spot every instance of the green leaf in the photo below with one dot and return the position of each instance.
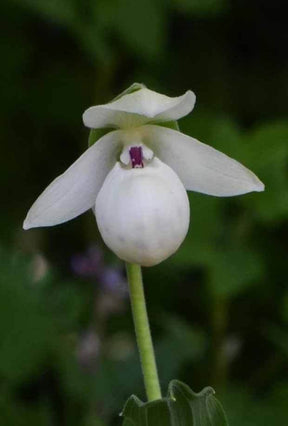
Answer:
(143, 414)
(195, 409)
(182, 407)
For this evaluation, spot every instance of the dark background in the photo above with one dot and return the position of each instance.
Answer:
(219, 307)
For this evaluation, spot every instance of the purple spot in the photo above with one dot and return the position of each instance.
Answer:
(136, 156)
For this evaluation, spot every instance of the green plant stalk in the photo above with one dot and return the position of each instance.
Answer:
(143, 334)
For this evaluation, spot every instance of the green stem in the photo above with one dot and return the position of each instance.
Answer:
(143, 334)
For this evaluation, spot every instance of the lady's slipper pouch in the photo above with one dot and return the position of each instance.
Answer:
(136, 176)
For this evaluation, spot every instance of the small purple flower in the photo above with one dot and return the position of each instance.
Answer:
(113, 281)
(88, 264)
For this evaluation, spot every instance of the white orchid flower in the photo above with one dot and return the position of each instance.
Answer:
(135, 177)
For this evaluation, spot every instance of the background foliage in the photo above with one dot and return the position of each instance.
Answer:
(219, 307)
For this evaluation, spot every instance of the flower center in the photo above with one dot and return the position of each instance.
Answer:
(136, 157)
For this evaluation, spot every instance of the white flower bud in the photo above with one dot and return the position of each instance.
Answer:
(143, 213)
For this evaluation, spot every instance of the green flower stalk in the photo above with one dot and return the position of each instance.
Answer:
(143, 333)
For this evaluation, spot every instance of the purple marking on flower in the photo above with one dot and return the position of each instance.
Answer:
(136, 156)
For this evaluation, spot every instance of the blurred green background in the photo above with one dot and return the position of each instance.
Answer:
(219, 307)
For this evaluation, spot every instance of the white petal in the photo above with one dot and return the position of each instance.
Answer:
(143, 213)
(75, 191)
(138, 108)
(200, 167)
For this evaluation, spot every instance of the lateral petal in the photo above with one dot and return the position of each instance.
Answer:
(75, 191)
(200, 167)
